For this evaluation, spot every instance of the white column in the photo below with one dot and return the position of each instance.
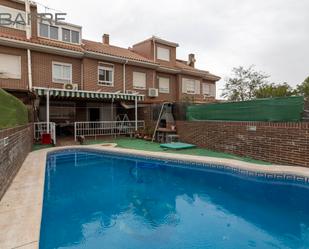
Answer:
(29, 70)
(135, 113)
(47, 110)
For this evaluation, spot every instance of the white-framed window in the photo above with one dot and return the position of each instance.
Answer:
(163, 54)
(209, 89)
(48, 31)
(62, 72)
(69, 35)
(59, 33)
(66, 35)
(54, 32)
(106, 75)
(164, 85)
(10, 66)
(206, 89)
(191, 86)
(213, 90)
(139, 80)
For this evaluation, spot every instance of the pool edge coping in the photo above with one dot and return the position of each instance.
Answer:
(33, 238)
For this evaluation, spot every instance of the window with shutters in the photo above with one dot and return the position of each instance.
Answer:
(163, 54)
(139, 80)
(164, 85)
(190, 86)
(209, 89)
(62, 72)
(206, 89)
(212, 90)
(10, 66)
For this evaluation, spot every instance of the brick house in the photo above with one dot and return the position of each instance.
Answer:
(87, 80)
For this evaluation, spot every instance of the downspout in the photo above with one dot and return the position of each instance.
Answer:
(28, 36)
(154, 60)
(82, 75)
(154, 49)
(124, 76)
(29, 70)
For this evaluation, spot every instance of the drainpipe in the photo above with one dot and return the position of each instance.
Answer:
(47, 110)
(154, 60)
(154, 50)
(124, 76)
(28, 35)
(29, 70)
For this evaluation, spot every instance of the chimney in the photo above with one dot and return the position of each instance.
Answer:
(105, 39)
(191, 60)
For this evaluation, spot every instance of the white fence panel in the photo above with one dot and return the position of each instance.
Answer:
(111, 128)
(41, 128)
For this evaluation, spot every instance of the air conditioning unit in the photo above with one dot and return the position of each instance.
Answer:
(153, 92)
(70, 86)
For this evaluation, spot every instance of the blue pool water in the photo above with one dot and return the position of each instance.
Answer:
(98, 201)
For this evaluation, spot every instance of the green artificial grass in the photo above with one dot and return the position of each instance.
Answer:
(41, 146)
(12, 111)
(140, 144)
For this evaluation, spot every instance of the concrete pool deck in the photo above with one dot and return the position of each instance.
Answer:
(21, 206)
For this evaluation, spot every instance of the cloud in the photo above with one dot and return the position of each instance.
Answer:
(273, 34)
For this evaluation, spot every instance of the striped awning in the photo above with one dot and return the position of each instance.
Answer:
(86, 94)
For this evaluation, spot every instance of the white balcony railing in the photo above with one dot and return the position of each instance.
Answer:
(111, 128)
(41, 128)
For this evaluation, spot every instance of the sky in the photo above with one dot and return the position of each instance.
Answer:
(273, 35)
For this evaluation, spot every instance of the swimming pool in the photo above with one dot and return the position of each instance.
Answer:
(107, 200)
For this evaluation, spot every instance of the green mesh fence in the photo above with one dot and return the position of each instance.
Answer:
(273, 109)
(12, 111)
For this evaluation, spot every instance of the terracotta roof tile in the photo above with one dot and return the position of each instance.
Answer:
(183, 66)
(113, 50)
(58, 44)
(43, 41)
(98, 47)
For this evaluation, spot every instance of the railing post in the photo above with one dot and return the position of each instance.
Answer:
(136, 114)
(47, 110)
(75, 131)
(34, 131)
(54, 133)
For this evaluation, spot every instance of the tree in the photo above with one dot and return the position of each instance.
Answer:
(303, 88)
(243, 84)
(273, 90)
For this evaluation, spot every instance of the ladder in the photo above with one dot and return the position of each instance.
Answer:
(158, 121)
(122, 118)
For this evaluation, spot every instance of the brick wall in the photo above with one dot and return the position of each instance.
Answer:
(145, 49)
(42, 69)
(90, 76)
(15, 144)
(150, 77)
(282, 143)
